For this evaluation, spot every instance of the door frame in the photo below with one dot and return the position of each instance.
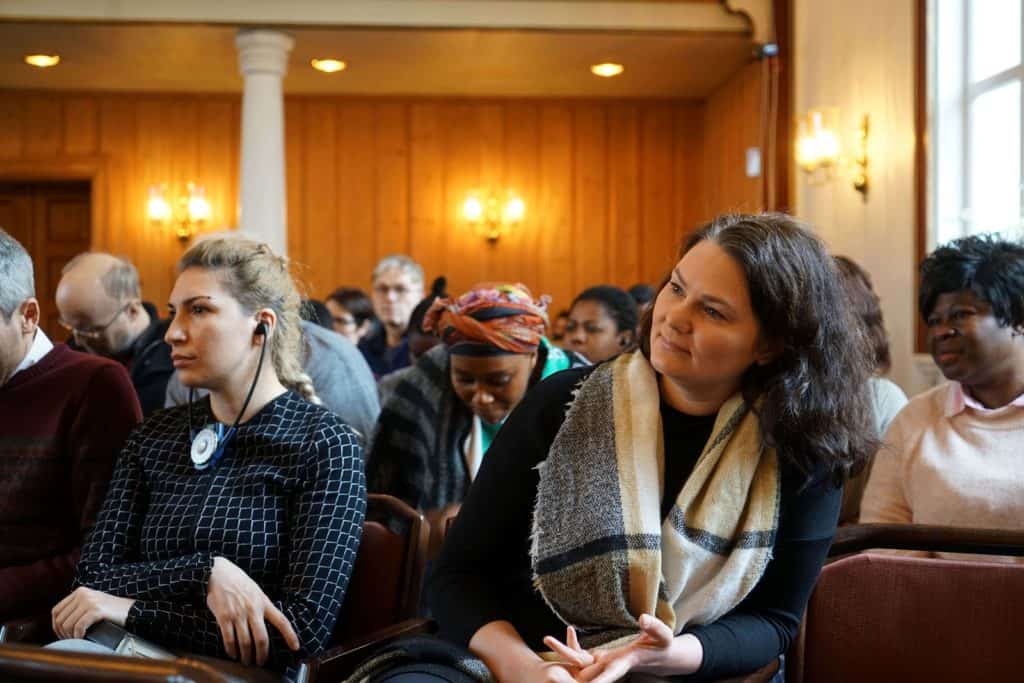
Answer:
(90, 168)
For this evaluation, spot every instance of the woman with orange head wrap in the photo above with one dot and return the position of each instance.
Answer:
(435, 429)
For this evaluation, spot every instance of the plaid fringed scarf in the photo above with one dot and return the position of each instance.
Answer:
(602, 556)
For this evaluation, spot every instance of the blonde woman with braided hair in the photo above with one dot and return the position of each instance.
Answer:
(231, 524)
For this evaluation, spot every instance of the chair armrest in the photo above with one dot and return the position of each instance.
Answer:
(857, 537)
(34, 630)
(338, 662)
(29, 663)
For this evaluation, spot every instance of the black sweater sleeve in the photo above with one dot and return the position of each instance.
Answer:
(484, 575)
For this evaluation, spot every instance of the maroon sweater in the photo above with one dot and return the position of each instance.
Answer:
(62, 423)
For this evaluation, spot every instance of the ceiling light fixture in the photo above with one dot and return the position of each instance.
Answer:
(607, 69)
(328, 66)
(42, 61)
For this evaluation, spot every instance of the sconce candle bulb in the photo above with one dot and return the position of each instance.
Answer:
(187, 212)
(490, 217)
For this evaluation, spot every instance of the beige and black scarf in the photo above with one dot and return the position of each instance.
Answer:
(600, 552)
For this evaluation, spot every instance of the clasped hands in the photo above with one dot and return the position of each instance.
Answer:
(650, 652)
(239, 605)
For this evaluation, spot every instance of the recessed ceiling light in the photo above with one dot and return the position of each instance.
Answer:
(42, 61)
(328, 66)
(607, 70)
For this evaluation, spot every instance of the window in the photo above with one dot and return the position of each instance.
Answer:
(975, 112)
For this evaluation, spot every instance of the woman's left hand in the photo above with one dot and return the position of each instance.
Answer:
(655, 651)
(73, 615)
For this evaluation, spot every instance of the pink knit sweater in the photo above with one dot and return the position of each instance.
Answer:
(955, 468)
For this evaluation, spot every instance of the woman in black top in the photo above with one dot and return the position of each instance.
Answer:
(243, 508)
(673, 507)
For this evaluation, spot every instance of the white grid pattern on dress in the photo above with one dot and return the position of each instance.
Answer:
(285, 503)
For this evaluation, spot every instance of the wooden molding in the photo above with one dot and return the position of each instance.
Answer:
(760, 15)
(91, 168)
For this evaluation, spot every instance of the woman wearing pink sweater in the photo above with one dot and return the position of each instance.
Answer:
(955, 455)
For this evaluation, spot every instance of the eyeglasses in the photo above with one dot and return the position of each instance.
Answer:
(398, 290)
(93, 332)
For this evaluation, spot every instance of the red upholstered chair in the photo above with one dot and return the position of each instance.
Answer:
(384, 592)
(380, 605)
(441, 521)
(888, 617)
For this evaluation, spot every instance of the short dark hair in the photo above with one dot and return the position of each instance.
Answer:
(642, 293)
(355, 301)
(803, 398)
(438, 290)
(987, 265)
(314, 311)
(617, 303)
(867, 307)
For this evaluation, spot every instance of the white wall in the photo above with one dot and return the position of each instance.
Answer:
(859, 56)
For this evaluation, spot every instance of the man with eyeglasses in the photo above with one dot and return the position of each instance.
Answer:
(100, 304)
(397, 288)
(63, 418)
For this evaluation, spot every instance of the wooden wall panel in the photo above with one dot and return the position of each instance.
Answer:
(131, 141)
(660, 226)
(609, 186)
(732, 124)
(623, 195)
(603, 183)
(522, 174)
(43, 126)
(12, 126)
(426, 178)
(81, 126)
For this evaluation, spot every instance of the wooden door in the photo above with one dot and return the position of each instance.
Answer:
(53, 221)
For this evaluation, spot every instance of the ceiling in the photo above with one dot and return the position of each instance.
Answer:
(382, 61)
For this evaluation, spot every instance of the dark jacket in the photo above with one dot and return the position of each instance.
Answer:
(150, 363)
(382, 358)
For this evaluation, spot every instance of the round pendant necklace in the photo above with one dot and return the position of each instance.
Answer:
(204, 445)
(209, 444)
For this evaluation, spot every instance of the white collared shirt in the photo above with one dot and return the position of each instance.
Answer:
(958, 400)
(41, 346)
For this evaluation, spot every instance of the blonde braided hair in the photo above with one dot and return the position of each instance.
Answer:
(258, 278)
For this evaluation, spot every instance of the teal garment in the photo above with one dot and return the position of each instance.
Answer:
(487, 433)
(556, 360)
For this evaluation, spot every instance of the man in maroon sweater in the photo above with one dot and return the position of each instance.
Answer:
(63, 418)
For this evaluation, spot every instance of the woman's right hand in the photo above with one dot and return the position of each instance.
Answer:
(240, 607)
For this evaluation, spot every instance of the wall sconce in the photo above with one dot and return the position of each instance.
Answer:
(187, 212)
(860, 173)
(817, 145)
(818, 151)
(492, 218)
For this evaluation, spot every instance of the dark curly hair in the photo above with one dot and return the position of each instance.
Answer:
(812, 401)
(866, 306)
(989, 266)
(617, 303)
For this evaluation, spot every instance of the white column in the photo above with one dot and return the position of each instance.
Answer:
(263, 62)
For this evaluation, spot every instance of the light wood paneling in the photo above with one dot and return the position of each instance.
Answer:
(601, 181)
(732, 124)
(610, 185)
(132, 141)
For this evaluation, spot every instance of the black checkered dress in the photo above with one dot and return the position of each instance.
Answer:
(285, 503)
